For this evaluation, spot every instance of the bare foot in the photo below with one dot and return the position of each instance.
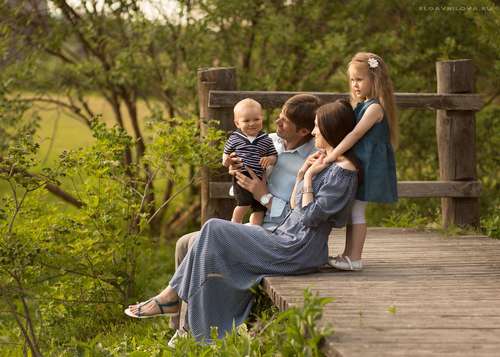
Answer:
(164, 303)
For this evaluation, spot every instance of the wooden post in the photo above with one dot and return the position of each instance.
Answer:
(455, 132)
(215, 79)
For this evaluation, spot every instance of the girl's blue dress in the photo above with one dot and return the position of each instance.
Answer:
(376, 156)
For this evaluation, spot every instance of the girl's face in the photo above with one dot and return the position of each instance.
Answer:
(361, 83)
(319, 140)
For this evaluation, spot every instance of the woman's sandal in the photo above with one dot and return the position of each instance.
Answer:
(139, 315)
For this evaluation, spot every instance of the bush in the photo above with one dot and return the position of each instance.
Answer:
(294, 332)
(69, 272)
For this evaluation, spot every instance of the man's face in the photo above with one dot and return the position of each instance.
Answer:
(285, 128)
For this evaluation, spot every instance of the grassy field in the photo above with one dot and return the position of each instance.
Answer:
(60, 130)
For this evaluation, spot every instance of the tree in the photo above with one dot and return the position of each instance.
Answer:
(115, 51)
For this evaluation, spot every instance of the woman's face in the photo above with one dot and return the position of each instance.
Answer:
(319, 140)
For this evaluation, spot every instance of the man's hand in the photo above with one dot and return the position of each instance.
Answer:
(267, 161)
(252, 184)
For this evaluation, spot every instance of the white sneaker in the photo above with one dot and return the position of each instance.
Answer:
(173, 341)
(347, 264)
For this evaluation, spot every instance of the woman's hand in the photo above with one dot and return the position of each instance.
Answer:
(316, 167)
(307, 164)
(253, 184)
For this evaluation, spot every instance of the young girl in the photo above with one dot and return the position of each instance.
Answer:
(373, 139)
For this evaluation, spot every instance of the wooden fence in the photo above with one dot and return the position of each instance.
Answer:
(455, 104)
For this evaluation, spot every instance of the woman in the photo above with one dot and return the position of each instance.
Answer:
(227, 259)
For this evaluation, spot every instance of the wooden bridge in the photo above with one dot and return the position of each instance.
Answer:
(419, 294)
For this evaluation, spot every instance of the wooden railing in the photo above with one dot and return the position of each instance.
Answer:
(454, 102)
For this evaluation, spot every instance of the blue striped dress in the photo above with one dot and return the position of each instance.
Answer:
(227, 259)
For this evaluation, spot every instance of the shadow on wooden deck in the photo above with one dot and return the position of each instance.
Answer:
(420, 294)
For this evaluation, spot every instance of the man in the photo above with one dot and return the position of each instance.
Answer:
(293, 142)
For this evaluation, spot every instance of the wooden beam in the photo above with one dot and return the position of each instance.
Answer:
(269, 100)
(456, 141)
(439, 188)
(209, 79)
(413, 189)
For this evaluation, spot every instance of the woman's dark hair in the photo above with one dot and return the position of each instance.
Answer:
(335, 121)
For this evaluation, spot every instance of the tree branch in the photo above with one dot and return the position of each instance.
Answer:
(54, 189)
(72, 107)
(180, 217)
(491, 99)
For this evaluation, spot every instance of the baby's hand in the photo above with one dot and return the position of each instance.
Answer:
(226, 160)
(231, 160)
(267, 161)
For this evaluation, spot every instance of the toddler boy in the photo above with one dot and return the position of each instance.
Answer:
(256, 150)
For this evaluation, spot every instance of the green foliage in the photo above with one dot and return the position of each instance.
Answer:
(14, 123)
(294, 332)
(72, 271)
(182, 137)
(392, 310)
(491, 226)
(407, 214)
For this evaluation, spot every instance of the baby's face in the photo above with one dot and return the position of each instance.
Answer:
(249, 120)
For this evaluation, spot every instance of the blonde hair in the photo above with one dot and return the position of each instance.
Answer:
(247, 102)
(382, 89)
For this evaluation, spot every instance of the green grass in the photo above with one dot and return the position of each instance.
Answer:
(60, 130)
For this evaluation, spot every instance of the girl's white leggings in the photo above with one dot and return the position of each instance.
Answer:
(358, 212)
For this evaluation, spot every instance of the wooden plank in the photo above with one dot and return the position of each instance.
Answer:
(398, 349)
(275, 99)
(413, 189)
(430, 336)
(439, 188)
(414, 321)
(445, 290)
